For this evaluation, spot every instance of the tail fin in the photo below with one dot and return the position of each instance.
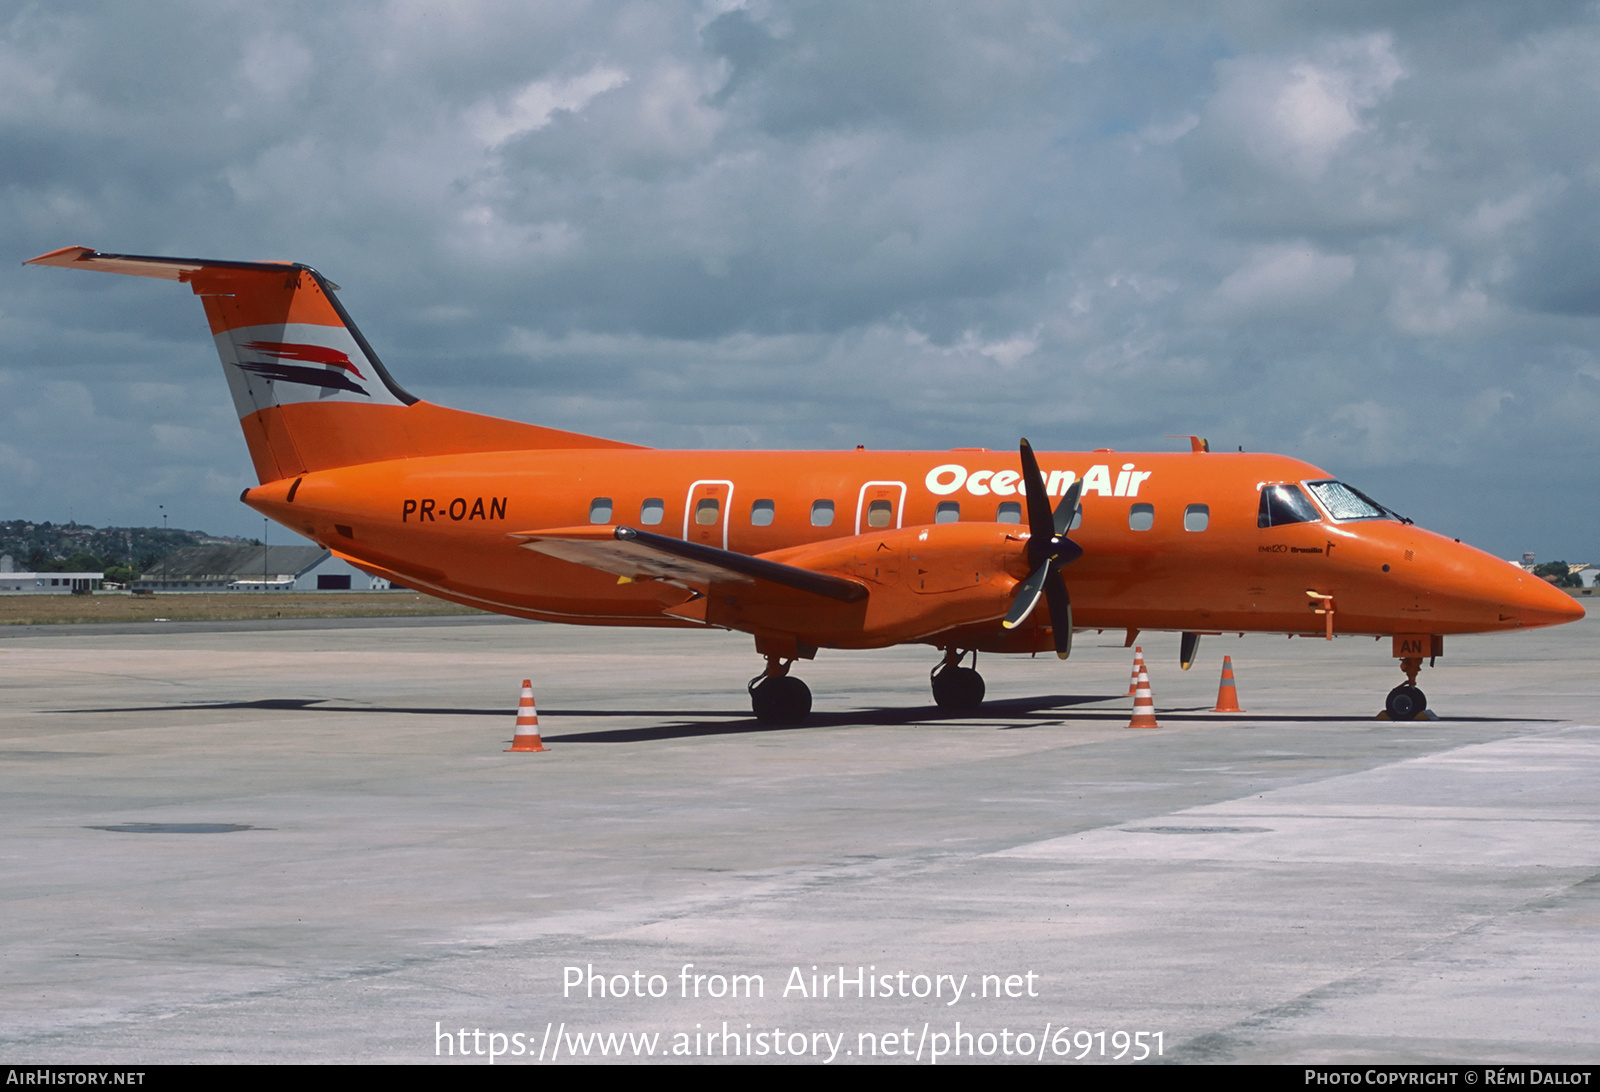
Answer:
(310, 392)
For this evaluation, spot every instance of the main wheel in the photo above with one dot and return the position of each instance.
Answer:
(958, 688)
(781, 699)
(1405, 702)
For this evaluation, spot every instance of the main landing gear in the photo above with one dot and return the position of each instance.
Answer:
(1406, 701)
(957, 688)
(779, 698)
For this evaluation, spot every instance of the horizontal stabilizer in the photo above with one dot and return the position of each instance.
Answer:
(639, 555)
(139, 265)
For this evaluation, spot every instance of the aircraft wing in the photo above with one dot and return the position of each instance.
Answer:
(637, 555)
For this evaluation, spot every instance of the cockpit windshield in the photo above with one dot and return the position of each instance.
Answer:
(1344, 503)
(1281, 504)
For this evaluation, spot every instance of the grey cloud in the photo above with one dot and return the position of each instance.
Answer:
(1363, 236)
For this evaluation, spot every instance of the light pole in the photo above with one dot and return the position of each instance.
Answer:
(263, 553)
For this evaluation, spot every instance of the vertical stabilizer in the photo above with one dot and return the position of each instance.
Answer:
(310, 392)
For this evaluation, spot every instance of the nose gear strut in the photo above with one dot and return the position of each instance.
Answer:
(1407, 701)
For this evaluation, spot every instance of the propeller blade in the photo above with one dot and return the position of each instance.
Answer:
(1027, 597)
(1055, 593)
(1040, 523)
(1068, 506)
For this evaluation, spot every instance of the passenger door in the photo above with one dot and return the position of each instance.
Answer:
(705, 515)
(880, 506)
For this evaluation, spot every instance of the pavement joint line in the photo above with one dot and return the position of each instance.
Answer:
(1345, 984)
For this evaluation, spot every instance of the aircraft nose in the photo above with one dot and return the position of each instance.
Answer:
(1544, 604)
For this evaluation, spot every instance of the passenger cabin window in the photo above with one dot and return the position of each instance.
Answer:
(705, 511)
(1344, 503)
(1141, 517)
(822, 513)
(1283, 504)
(947, 512)
(761, 513)
(652, 511)
(1197, 517)
(1010, 512)
(600, 510)
(880, 513)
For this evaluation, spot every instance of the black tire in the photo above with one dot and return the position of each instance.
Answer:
(1405, 702)
(958, 688)
(781, 700)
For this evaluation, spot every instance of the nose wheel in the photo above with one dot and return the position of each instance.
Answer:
(1407, 701)
(778, 698)
(957, 688)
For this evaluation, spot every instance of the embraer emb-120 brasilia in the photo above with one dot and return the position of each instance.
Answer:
(963, 550)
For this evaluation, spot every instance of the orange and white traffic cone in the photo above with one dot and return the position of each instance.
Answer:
(527, 737)
(1144, 709)
(1227, 694)
(1133, 680)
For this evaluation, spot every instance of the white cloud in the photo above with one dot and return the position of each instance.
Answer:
(531, 106)
(14, 464)
(1158, 133)
(1006, 352)
(672, 115)
(1426, 301)
(1283, 276)
(1296, 113)
(277, 65)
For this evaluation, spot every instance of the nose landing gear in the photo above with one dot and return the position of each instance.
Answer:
(1407, 701)
(957, 688)
(779, 698)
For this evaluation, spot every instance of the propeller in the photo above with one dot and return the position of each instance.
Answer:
(1049, 548)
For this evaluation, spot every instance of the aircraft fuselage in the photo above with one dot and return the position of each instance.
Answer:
(445, 524)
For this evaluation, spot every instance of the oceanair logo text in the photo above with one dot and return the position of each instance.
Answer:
(946, 479)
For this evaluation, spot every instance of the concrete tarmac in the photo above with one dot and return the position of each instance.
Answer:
(286, 842)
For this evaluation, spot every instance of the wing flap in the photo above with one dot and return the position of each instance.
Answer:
(637, 555)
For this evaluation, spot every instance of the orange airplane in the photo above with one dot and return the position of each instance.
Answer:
(811, 550)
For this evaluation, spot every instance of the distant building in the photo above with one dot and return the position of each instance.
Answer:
(256, 569)
(49, 583)
(1584, 571)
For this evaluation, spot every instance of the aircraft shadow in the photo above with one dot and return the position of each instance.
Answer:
(1037, 709)
(1024, 713)
(687, 722)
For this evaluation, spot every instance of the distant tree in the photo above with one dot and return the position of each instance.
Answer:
(1558, 573)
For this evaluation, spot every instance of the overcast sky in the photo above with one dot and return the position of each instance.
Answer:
(1363, 234)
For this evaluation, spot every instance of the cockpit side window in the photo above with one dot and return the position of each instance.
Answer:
(1343, 502)
(1281, 504)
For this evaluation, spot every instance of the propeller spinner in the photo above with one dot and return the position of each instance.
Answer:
(1049, 548)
